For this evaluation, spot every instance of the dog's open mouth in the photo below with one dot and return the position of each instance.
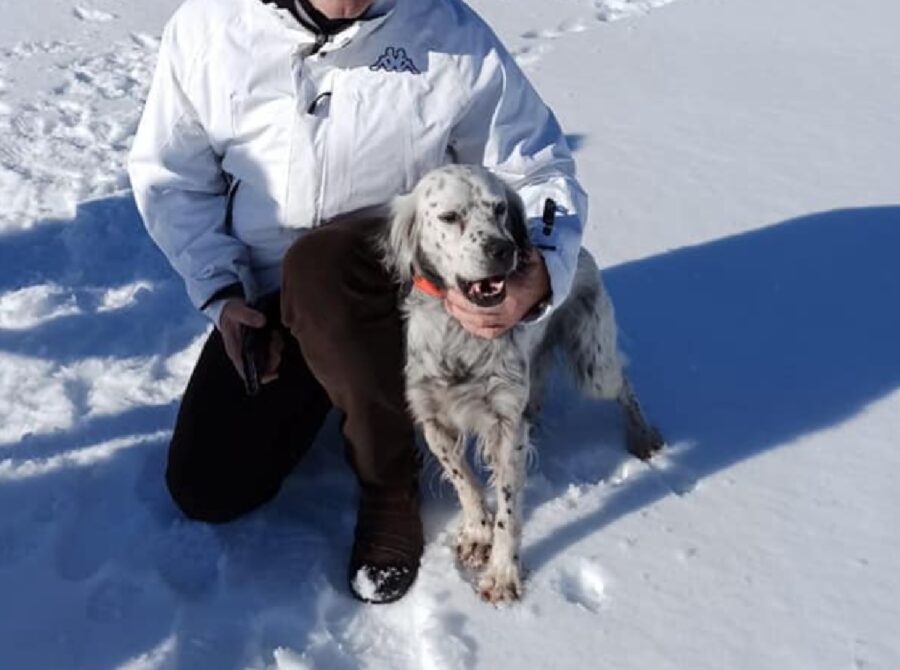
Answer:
(484, 292)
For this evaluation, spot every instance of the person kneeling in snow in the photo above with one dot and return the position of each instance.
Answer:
(269, 127)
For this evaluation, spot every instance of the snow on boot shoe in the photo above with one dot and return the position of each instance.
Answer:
(387, 546)
(382, 585)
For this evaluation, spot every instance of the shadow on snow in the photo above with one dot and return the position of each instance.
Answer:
(104, 246)
(743, 344)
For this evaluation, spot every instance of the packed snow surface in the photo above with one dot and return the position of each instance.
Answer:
(742, 158)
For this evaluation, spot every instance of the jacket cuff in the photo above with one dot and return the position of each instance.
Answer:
(233, 290)
(214, 305)
(213, 311)
(560, 283)
(557, 247)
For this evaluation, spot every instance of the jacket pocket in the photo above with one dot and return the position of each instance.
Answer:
(368, 150)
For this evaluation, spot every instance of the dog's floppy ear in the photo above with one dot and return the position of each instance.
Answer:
(515, 220)
(400, 241)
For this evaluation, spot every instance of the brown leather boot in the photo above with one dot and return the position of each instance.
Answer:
(387, 547)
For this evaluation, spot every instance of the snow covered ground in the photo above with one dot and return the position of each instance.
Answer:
(742, 157)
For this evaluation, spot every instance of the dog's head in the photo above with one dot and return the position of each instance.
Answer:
(460, 227)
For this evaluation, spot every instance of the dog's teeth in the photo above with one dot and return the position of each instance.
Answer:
(490, 287)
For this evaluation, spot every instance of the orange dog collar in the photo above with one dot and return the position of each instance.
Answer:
(428, 287)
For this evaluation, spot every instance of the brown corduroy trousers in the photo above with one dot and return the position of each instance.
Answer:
(344, 348)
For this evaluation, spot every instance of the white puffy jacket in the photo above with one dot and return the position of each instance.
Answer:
(242, 93)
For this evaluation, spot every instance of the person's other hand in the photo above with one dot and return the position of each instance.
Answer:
(237, 314)
(524, 289)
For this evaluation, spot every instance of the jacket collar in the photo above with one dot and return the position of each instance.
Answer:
(293, 16)
(313, 19)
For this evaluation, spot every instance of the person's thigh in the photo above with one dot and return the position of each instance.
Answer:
(230, 452)
(341, 305)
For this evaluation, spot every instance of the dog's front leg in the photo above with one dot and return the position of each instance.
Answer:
(473, 544)
(501, 581)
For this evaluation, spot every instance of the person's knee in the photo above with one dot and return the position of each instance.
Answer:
(194, 501)
(318, 257)
(203, 494)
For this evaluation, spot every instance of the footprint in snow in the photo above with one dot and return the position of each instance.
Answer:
(275, 560)
(187, 559)
(24, 535)
(537, 45)
(572, 26)
(213, 639)
(24, 50)
(613, 10)
(582, 584)
(688, 554)
(566, 27)
(666, 466)
(528, 55)
(16, 544)
(319, 653)
(82, 547)
(91, 528)
(93, 15)
(149, 42)
(441, 636)
(112, 599)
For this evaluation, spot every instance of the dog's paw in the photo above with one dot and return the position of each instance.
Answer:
(501, 585)
(473, 555)
(473, 545)
(643, 441)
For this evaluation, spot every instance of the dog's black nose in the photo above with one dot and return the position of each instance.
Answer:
(498, 249)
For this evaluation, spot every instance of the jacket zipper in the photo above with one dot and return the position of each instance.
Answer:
(321, 41)
(301, 54)
(323, 168)
(319, 205)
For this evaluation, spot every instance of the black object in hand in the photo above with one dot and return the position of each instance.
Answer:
(255, 355)
(255, 341)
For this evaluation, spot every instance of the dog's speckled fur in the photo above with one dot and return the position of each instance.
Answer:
(460, 385)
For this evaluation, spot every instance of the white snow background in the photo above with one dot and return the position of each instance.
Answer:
(743, 162)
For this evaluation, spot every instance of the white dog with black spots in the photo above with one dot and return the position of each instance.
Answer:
(463, 227)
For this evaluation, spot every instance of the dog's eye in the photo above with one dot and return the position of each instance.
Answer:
(500, 209)
(449, 217)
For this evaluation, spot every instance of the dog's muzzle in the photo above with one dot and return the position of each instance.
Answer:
(500, 257)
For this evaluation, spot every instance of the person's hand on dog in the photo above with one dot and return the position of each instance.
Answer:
(524, 289)
(237, 314)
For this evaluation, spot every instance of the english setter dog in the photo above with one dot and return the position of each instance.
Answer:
(462, 226)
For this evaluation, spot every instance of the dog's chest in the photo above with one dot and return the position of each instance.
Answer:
(461, 379)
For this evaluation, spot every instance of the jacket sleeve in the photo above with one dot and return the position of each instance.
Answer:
(507, 128)
(180, 188)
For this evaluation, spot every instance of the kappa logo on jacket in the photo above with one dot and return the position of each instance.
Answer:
(394, 59)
